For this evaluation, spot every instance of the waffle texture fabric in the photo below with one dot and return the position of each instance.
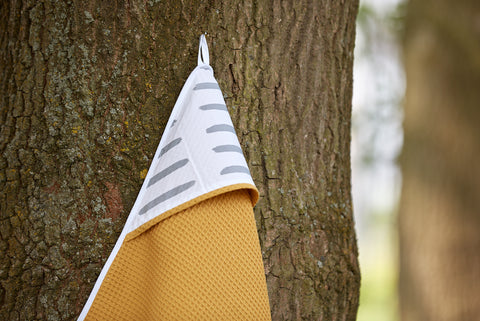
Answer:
(203, 263)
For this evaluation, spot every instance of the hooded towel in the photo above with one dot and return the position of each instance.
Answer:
(189, 249)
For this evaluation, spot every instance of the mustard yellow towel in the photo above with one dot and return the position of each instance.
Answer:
(203, 263)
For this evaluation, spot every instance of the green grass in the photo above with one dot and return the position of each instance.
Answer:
(378, 293)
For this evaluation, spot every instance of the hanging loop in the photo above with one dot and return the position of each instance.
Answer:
(203, 58)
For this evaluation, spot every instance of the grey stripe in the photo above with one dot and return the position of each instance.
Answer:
(167, 171)
(206, 67)
(235, 169)
(206, 85)
(214, 107)
(170, 145)
(227, 148)
(165, 196)
(220, 128)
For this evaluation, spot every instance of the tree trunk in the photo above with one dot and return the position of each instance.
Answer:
(86, 90)
(440, 206)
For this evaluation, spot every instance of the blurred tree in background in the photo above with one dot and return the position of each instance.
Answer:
(440, 205)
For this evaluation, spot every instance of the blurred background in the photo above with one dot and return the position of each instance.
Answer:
(415, 150)
(377, 138)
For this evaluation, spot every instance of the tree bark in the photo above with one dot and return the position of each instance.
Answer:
(439, 216)
(86, 90)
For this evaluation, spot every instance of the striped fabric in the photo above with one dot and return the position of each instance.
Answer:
(200, 180)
